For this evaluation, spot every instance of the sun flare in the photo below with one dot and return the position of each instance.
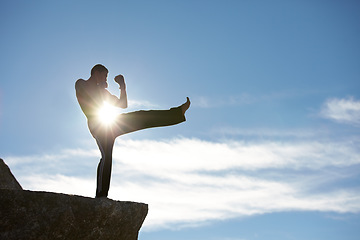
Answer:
(107, 114)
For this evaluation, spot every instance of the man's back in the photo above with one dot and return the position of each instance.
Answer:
(89, 97)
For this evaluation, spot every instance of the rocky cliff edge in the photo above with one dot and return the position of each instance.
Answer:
(44, 215)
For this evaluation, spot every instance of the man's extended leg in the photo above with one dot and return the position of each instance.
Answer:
(134, 121)
(105, 144)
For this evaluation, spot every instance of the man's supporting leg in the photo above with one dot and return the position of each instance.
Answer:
(105, 144)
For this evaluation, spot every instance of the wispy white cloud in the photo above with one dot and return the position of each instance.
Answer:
(346, 110)
(188, 182)
(136, 104)
(245, 98)
(202, 102)
(235, 100)
(76, 185)
(267, 132)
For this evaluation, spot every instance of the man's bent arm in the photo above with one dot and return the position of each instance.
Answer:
(123, 95)
(123, 98)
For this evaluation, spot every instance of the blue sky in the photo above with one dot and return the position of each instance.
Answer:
(271, 146)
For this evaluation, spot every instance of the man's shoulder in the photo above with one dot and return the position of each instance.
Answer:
(80, 83)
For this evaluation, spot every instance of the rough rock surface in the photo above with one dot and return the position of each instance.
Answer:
(44, 215)
(7, 179)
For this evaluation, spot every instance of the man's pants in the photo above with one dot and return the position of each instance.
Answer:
(127, 122)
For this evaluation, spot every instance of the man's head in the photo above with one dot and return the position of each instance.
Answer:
(99, 73)
(98, 68)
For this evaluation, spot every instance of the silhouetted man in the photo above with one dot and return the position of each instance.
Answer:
(92, 94)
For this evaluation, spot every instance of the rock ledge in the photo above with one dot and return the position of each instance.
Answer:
(44, 215)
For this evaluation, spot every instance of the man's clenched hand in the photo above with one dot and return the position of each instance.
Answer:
(121, 81)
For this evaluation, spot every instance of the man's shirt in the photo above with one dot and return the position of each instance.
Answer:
(92, 97)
